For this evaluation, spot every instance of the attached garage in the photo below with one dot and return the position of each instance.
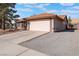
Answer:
(40, 25)
(45, 22)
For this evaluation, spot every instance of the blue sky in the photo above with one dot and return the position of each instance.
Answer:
(29, 9)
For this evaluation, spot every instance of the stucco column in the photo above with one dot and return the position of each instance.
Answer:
(50, 25)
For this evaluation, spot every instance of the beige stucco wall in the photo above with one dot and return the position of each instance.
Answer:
(52, 25)
(58, 25)
(40, 25)
(46, 25)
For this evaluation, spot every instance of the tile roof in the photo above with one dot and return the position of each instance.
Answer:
(62, 17)
(41, 16)
(45, 16)
(19, 20)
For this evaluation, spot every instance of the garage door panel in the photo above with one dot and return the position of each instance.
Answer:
(40, 25)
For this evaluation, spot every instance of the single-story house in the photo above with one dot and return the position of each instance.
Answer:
(75, 22)
(46, 22)
(76, 26)
(21, 24)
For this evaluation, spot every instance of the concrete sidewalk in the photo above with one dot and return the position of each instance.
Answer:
(9, 44)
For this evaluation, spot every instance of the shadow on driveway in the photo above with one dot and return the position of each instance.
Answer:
(56, 44)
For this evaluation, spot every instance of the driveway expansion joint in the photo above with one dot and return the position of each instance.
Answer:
(22, 52)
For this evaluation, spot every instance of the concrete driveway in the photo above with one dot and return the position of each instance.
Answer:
(56, 44)
(20, 36)
(9, 43)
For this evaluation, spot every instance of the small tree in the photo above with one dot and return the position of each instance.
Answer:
(69, 22)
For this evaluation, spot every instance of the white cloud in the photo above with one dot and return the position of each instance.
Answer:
(63, 11)
(52, 11)
(41, 6)
(76, 7)
(70, 11)
(30, 6)
(46, 4)
(27, 3)
(25, 9)
(67, 4)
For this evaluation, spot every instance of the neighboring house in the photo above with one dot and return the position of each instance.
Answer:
(21, 24)
(46, 22)
(76, 26)
(75, 22)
